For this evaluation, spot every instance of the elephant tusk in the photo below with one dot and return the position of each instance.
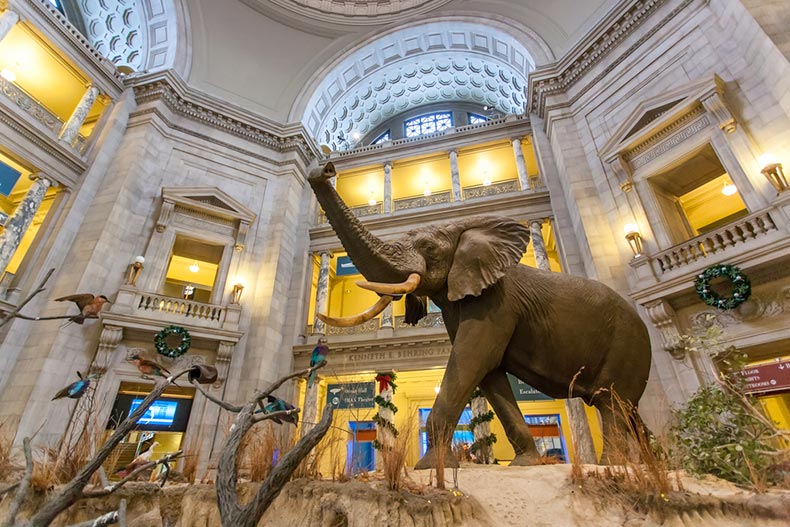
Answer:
(411, 283)
(360, 318)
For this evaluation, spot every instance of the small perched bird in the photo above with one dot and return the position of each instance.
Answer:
(88, 305)
(275, 404)
(148, 367)
(137, 462)
(319, 353)
(76, 389)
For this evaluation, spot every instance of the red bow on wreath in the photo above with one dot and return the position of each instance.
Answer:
(384, 382)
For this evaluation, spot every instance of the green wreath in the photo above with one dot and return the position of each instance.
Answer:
(160, 342)
(741, 287)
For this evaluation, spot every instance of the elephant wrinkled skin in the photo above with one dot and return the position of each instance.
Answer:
(503, 317)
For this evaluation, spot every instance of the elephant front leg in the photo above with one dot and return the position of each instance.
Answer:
(477, 350)
(498, 392)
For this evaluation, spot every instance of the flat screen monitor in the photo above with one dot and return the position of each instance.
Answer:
(161, 413)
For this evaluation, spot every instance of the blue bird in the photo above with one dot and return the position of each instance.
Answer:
(319, 353)
(275, 404)
(78, 388)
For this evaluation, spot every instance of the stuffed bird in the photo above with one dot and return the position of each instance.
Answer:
(275, 404)
(319, 353)
(148, 367)
(76, 389)
(88, 304)
(137, 462)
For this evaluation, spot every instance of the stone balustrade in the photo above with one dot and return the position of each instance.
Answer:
(169, 310)
(732, 238)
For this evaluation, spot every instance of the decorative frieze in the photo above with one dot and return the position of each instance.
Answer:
(431, 320)
(423, 201)
(687, 126)
(371, 326)
(495, 189)
(30, 106)
(768, 305)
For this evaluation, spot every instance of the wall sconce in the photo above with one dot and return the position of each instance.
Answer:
(236, 295)
(634, 239)
(134, 271)
(772, 170)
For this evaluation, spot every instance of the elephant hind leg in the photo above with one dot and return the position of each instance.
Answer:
(498, 392)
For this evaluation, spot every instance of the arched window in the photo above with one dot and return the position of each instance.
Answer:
(382, 138)
(428, 124)
(475, 118)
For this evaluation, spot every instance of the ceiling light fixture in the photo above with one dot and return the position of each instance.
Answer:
(194, 267)
(729, 188)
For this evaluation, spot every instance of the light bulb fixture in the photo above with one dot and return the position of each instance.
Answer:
(426, 192)
(238, 289)
(729, 188)
(372, 201)
(634, 239)
(355, 135)
(194, 267)
(8, 75)
(772, 170)
(189, 290)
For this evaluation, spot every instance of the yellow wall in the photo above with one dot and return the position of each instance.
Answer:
(179, 270)
(410, 177)
(358, 186)
(492, 160)
(529, 156)
(43, 72)
(706, 204)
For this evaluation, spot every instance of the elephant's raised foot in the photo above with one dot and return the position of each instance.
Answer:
(429, 460)
(525, 460)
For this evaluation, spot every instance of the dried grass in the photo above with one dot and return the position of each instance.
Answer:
(7, 466)
(256, 453)
(394, 459)
(191, 456)
(441, 446)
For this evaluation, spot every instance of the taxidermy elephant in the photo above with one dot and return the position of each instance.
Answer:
(501, 317)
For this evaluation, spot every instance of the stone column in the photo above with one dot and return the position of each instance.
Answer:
(18, 223)
(455, 175)
(8, 20)
(322, 293)
(521, 166)
(72, 127)
(538, 246)
(482, 430)
(577, 416)
(387, 187)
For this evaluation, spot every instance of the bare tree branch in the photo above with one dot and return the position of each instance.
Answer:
(9, 488)
(216, 400)
(15, 312)
(73, 490)
(261, 394)
(59, 317)
(258, 417)
(24, 485)
(89, 494)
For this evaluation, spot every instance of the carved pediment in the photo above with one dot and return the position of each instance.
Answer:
(208, 200)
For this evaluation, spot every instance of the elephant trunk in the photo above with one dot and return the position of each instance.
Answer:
(377, 260)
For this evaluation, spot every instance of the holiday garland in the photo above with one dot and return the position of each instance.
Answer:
(385, 416)
(160, 342)
(483, 442)
(741, 286)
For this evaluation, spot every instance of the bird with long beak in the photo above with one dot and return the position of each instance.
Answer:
(88, 304)
(137, 462)
(275, 404)
(148, 367)
(78, 388)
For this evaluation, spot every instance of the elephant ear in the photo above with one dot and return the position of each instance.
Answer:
(486, 249)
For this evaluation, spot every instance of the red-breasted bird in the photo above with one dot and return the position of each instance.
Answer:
(139, 461)
(76, 389)
(88, 304)
(148, 367)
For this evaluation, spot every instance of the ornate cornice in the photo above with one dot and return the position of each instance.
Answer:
(196, 106)
(556, 78)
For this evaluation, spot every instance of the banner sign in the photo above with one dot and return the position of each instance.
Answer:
(764, 378)
(351, 395)
(345, 266)
(525, 392)
(8, 178)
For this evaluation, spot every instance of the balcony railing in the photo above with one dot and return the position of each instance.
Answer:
(176, 309)
(431, 320)
(38, 111)
(727, 238)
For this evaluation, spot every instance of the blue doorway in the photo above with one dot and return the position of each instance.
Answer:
(360, 454)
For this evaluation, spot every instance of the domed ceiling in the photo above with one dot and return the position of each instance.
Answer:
(432, 63)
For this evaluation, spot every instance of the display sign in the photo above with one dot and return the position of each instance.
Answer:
(525, 392)
(345, 266)
(770, 377)
(8, 178)
(351, 395)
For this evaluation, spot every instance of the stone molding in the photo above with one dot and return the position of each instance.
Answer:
(557, 78)
(364, 12)
(187, 102)
(768, 305)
